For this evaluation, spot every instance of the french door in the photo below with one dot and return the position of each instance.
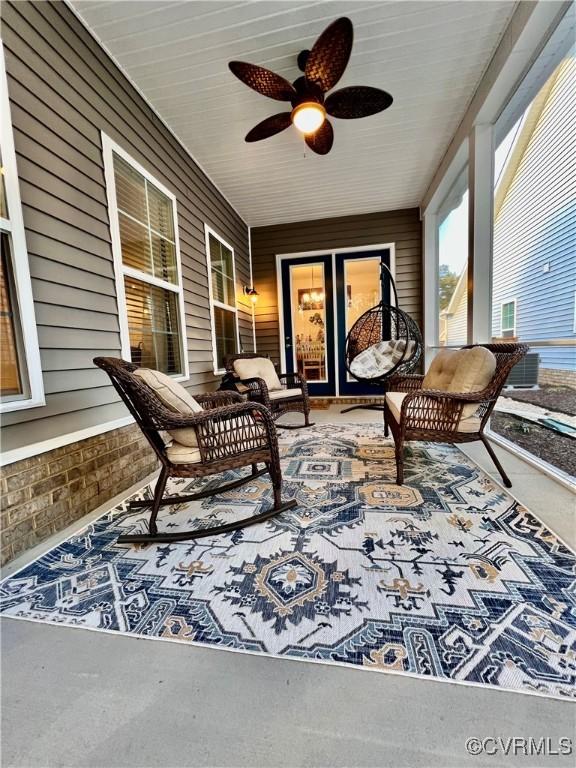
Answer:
(321, 299)
(308, 310)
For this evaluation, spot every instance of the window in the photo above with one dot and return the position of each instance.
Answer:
(508, 319)
(20, 370)
(453, 265)
(222, 290)
(147, 260)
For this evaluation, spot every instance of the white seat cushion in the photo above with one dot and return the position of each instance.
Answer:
(378, 359)
(258, 368)
(282, 393)
(179, 453)
(395, 400)
(176, 398)
(461, 370)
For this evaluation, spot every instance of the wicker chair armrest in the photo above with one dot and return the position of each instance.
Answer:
(169, 420)
(257, 389)
(408, 383)
(226, 431)
(235, 429)
(482, 396)
(294, 380)
(437, 410)
(210, 400)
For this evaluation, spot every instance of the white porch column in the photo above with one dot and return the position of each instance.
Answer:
(430, 286)
(480, 226)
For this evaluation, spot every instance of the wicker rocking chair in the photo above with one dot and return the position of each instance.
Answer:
(230, 434)
(293, 395)
(437, 416)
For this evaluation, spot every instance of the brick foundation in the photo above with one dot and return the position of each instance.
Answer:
(45, 493)
(557, 378)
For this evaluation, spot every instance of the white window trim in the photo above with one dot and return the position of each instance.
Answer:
(15, 226)
(121, 270)
(513, 329)
(213, 302)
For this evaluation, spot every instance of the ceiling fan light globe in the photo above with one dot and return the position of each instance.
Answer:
(308, 117)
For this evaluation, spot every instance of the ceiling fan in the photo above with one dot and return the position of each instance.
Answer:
(322, 66)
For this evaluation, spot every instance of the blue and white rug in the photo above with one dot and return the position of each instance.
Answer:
(446, 577)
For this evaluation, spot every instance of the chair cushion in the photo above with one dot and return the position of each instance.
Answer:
(395, 399)
(461, 370)
(378, 359)
(285, 393)
(258, 368)
(175, 397)
(178, 453)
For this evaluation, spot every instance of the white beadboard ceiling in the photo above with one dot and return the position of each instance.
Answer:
(429, 55)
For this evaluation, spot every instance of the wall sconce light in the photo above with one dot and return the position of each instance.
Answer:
(252, 294)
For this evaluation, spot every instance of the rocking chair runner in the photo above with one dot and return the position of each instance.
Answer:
(230, 434)
(414, 413)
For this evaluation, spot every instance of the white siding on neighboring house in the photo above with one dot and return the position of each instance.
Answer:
(454, 319)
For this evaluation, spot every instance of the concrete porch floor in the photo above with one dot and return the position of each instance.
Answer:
(78, 698)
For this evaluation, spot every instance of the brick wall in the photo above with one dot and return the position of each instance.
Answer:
(45, 493)
(557, 377)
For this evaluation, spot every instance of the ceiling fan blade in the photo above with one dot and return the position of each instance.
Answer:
(269, 127)
(329, 56)
(357, 101)
(263, 80)
(321, 141)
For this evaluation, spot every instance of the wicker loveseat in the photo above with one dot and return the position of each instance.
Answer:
(208, 434)
(280, 392)
(414, 413)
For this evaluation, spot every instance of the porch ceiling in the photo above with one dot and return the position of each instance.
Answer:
(429, 55)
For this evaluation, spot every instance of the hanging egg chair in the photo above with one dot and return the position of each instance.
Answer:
(383, 342)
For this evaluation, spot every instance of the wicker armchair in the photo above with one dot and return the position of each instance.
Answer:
(292, 397)
(230, 434)
(437, 416)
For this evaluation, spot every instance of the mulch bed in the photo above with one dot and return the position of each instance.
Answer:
(561, 399)
(556, 449)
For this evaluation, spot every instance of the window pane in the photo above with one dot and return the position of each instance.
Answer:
(135, 243)
(221, 258)
(153, 322)
(222, 288)
(161, 217)
(308, 291)
(130, 190)
(164, 256)
(534, 260)
(225, 328)
(453, 265)
(10, 380)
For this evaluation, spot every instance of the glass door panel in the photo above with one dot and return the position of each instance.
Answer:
(308, 321)
(358, 288)
(308, 293)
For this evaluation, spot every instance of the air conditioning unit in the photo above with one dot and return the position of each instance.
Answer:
(525, 373)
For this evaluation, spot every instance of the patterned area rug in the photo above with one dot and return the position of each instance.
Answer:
(445, 577)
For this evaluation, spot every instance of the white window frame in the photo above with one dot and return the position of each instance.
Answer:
(213, 302)
(513, 329)
(31, 373)
(109, 147)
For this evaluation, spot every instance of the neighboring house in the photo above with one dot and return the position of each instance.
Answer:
(534, 268)
(453, 319)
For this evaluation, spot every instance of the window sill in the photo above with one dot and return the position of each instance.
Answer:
(21, 405)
